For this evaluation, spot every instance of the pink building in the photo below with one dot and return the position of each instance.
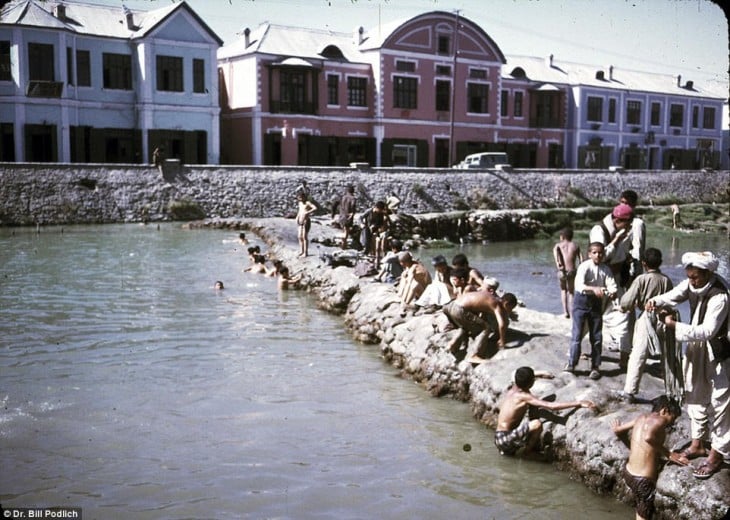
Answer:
(423, 93)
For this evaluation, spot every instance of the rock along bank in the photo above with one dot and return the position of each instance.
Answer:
(580, 442)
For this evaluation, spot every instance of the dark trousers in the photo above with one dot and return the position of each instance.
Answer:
(587, 309)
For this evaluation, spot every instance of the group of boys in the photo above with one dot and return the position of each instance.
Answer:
(603, 293)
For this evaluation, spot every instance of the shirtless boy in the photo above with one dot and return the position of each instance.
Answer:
(470, 312)
(514, 429)
(647, 446)
(304, 222)
(567, 256)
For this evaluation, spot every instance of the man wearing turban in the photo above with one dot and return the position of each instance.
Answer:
(707, 358)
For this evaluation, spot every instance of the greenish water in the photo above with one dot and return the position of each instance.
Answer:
(132, 389)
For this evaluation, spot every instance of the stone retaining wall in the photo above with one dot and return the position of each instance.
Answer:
(32, 194)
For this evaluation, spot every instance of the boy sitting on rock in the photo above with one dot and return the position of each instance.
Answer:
(515, 430)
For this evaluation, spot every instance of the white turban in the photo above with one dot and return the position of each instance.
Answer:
(704, 260)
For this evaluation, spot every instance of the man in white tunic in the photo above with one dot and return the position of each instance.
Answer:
(706, 365)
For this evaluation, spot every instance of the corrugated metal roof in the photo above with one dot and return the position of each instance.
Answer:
(282, 40)
(545, 70)
(90, 19)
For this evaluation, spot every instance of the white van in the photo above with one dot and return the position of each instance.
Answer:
(484, 160)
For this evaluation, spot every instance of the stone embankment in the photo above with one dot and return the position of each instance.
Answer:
(48, 194)
(580, 442)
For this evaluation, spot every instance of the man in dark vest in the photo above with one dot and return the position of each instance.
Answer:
(707, 361)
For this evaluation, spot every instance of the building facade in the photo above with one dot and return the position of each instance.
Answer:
(429, 91)
(86, 83)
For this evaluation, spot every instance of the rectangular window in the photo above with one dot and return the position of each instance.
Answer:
(404, 155)
(518, 105)
(676, 115)
(83, 68)
(443, 95)
(333, 89)
(357, 89)
(117, 71)
(656, 114)
(444, 43)
(478, 73)
(169, 74)
(595, 109)
(5, 73)
(633, 112)
(477, 98)
(708, 118)
(443, 70)
(405, 66)
(69, 65)
(405, 92)
(292, 91)
(198, 75)
(40, 62)
(503, 102)
(695, 116)
(612, 110)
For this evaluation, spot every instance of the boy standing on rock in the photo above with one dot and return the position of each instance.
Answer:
(647, 446)
(514, 430)
(593, 281)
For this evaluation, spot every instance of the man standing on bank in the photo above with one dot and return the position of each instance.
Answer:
(707, 359)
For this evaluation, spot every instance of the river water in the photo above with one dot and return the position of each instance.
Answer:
(132, 389)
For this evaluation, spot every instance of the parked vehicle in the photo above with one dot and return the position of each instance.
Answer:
(484, 160)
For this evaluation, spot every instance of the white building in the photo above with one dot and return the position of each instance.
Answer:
(87, 83)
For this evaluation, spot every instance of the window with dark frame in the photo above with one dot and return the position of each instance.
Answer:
(633, 112)
(676, 115)
(656, 114)
(69, 66)
(169, 73)
(40, 62)
(444, 45)
(695, 116)
(708, 118)
(5, 71)
(291, 86)
(83, 68)
(405, 92)
(333, 89)
(117, 71)
(198, 75)
(357, 89)
(595, 109)
(477, 98)
(478, 73)
(405, 66)
(443, 95)
(443, 70)
(517, 112)
(503, 103)
(612, 110)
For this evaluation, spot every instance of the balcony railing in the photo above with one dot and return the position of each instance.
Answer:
(44, 89)
(289, 107)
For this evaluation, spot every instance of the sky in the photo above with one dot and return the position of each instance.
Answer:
(687, 37)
